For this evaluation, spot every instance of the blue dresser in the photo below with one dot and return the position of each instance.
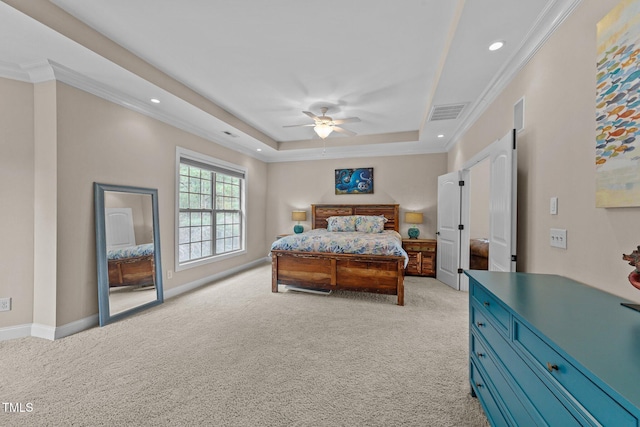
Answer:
(546, 350)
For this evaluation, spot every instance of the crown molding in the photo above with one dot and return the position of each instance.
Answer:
(552, 17)
(39, 71)
(13, 72)
(47, 70)
(109, 93)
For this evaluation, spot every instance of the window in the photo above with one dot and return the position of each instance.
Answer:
(210, 213)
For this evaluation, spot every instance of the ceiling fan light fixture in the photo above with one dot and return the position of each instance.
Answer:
(323, 130)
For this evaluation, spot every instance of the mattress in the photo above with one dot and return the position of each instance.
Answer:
(130, 252)
(388, 242)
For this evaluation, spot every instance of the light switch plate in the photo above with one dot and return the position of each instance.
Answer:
(553, 206)
(558, 238)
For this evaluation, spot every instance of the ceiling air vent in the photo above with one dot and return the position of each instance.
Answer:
(446, 112)
(226, 132)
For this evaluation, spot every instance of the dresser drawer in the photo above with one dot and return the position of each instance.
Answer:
(558, 371)
(408, 245)
(480, 387)
(512, 404)
(479, 322)
(427, 264)
(415, 260)
(494, 309)
(526, 381)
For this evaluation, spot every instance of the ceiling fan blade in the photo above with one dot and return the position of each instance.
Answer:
(345, 131)
(347, 120)
(310, 114)
(295, 126)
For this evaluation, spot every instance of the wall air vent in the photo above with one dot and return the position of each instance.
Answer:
(446, 112)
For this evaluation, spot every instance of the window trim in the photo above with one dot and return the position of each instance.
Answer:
(184, 153)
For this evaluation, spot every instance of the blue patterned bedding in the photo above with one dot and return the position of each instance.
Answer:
(388, 242)
(131, 251)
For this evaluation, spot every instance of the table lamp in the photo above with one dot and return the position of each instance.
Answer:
(298, 216)
(413, 218)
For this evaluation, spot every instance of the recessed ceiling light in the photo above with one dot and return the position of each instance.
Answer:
(496, 45)
(441, 136)
(155, 100)
(258, 149)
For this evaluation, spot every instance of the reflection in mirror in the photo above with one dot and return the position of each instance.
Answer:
(128, 250)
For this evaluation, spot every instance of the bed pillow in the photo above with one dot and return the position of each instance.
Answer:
(370, 224)
(341, 223)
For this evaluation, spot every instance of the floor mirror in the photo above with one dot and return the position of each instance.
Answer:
(127, 250)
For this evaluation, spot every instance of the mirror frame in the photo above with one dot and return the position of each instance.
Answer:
(101, 251)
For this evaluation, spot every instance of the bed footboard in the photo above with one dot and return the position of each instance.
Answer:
(132, 271)
(351, 272)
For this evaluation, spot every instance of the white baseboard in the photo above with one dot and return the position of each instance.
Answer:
(173, 292)
(13, 332)
(39, 330)
(77, 326)
(53, 333)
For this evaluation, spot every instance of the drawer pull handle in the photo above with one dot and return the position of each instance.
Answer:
(480, 354)
(551, 367)
(486, 303)
(480, 324)
(479, 385)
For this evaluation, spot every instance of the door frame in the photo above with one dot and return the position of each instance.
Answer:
(465, 214)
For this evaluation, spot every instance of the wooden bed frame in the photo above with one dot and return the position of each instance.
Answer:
(132, 271)
(352, 272)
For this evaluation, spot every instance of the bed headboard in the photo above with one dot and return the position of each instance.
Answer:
(320, 213)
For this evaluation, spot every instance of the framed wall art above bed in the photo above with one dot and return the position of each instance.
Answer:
(354, 181)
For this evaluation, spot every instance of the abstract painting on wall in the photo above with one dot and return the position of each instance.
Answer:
(354, 181)
(618, 107)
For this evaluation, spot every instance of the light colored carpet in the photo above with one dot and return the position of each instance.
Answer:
(126, 297)
(235, 354)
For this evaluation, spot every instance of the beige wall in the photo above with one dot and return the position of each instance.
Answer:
(45, 205)
(410, 181)
(16, 193)
(100, 141)
(556, 157)
(93, 140)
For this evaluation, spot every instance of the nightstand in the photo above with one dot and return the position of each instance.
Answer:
(422, 257)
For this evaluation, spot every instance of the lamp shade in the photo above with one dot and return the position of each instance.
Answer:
(323, 130)
(299, 215)
(413, 217)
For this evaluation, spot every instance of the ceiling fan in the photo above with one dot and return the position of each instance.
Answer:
(324, 125)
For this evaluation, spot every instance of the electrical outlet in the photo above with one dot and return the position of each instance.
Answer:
(559, 238)
(5, 304)
(169, 274)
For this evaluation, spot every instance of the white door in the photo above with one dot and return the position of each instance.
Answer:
(448, 254)
(502, 202)
(118, 223)
(502, 155)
